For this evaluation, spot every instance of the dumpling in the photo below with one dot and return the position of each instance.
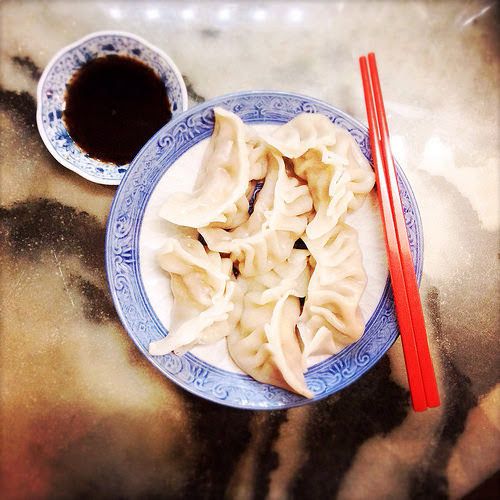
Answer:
(339, 178)
(218, 196)
(205, 273)
(329, 159)
(331, 318)
(291, 276)
(279, 217)
(207, 302)
(305, 131)
(265, 344)
(362, 177)
(271, 353)
(203, 326)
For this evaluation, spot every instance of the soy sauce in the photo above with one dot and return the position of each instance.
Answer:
(114, 104)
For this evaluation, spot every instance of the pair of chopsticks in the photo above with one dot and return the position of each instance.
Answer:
(421, 377)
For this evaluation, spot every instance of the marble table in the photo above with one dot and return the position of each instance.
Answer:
(85, 415)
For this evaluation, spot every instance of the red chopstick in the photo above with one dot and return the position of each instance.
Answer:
(417, 315)
(420, 372)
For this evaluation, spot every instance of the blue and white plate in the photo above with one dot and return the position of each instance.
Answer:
(52, 88)
(141, 291)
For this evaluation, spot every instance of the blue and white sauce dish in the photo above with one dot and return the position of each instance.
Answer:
(169, 162)
(52, 91)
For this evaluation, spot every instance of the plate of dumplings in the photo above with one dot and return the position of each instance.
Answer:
(245, 253)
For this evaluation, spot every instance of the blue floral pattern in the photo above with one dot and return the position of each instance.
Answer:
(122, 259)
(52, 88)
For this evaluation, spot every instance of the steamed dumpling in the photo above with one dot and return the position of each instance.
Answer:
(207, 303)
(280, 216)
(270, 353)
(205, 326)
(328, 158)
(339, 178)
(265, 344)
(291, 276)
(205, 273)
(219, 192)
(305, 131)
(331, 318)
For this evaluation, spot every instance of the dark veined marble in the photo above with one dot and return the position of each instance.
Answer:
(83, 414)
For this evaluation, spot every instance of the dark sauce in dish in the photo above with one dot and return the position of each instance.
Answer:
(114, 104)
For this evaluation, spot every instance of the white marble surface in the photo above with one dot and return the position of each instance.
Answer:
(84, 414)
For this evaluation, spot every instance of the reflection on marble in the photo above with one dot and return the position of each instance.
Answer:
(83, 414)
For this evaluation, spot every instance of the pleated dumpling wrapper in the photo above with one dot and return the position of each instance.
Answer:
(331, 318)
(328, 158)
(218, 197)
(279, 217)
(207, 302)
(265, 343)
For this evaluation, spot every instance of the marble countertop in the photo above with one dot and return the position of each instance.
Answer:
(85, 415)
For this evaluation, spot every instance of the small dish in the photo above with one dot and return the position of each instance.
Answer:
(140, 289)
(52, 88)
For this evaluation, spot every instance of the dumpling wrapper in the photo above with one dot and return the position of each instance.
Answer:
(331, 318)
(218, 196)
(265, 344)
(205, 327)
(271, 352)
(304, 132)
(328, 158)
(267, 237)
(207, 303)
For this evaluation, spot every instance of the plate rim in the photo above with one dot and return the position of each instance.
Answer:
(386, 294)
